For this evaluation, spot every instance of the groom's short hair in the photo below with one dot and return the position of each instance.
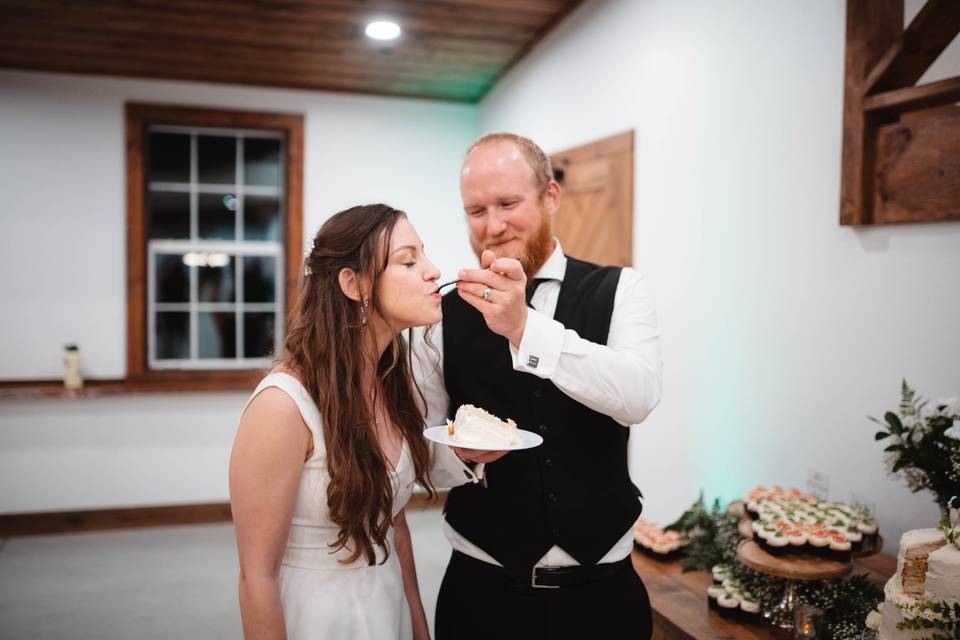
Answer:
(534, 155)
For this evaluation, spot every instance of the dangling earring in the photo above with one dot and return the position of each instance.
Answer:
(363, 311)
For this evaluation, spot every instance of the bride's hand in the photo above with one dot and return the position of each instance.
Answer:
(478, 455)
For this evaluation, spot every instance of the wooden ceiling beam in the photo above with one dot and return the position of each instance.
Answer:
(926, 96)
(872, 26)
(907, 59)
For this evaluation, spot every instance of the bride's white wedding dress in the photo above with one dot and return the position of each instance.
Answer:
(323, 598)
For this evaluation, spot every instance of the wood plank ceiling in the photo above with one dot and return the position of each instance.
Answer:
(450, 49)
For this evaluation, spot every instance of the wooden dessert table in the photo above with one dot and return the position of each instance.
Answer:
(679, 601)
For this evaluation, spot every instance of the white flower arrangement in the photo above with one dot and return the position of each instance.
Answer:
(923, 443)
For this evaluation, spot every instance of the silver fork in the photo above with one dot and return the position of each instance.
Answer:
(447, 284)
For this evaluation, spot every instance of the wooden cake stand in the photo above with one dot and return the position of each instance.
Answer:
(792, 568)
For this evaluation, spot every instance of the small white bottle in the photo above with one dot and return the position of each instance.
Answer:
(72, 379)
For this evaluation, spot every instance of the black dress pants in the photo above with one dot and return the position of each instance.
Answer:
(480, 601)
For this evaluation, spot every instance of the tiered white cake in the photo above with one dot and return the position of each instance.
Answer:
(920, 598)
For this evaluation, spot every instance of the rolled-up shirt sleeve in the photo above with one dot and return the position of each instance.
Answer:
(622, 379)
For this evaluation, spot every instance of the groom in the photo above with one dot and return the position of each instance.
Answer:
(543, 549)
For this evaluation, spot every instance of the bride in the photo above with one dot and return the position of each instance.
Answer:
(330, 444)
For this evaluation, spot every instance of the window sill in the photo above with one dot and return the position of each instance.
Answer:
(159, 382)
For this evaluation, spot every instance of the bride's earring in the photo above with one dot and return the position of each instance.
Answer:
(363, 311)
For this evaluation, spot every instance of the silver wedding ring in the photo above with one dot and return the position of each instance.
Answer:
(486, 293)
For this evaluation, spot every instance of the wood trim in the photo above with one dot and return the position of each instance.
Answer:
(178, 382)
(39, 523)
(29, 524)
(911, 54)
(872, 26)
(925, 96)
(138, 117)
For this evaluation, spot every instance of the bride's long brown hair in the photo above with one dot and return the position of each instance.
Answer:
(325, 346)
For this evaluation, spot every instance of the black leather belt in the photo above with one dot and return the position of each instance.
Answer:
(552, 577)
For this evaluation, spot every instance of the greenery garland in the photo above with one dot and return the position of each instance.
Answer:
(714, 538)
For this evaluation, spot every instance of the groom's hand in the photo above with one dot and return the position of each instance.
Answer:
(478, 455)
(504, 308)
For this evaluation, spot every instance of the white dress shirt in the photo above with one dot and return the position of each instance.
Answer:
(621, 379)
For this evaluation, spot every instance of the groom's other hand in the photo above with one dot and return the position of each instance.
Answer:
(504, 308)
(478, 455)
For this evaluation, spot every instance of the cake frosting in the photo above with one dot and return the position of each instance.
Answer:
(920, 597)
(472, 426)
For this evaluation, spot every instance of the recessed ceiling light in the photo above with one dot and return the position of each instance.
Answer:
(383, 30)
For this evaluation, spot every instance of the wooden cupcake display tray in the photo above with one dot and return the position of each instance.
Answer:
(791, 567)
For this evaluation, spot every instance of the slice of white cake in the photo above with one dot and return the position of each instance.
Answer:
(475, 427)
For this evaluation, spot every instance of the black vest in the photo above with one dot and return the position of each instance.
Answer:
(573, 490)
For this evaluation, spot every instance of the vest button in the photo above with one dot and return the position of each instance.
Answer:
(542, 428)
(555, 533)
(548, 463)
(552, 497)
(538, 393)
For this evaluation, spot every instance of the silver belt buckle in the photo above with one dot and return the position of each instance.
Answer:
(533, 581)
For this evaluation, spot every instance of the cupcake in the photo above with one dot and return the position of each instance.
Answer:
(728, 604)
(720, 572)
(716, 590)
(777, 543)
(749, 604)
(839, 548)
(855, 537)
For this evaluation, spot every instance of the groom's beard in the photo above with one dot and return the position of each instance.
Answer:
(535, 251)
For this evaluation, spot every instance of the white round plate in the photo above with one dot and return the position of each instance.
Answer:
(528, 440)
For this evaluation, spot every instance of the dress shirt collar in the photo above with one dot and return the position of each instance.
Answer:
(554, 267)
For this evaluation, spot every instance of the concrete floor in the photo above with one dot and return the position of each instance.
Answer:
(148, 584)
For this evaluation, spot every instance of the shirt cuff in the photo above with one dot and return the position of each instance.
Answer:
(540, 346)
(448, 470)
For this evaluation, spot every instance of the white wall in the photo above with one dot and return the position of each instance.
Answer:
(62, 256)
(781, 329)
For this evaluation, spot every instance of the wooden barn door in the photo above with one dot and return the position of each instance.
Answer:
(595, 220)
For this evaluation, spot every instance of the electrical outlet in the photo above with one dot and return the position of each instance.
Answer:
(818, 484)
(864, 504)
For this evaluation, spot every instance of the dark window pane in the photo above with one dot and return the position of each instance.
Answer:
(258, 335)
(216, 217)
(173, 279)
(169, 215)
(215, 281)
(216, 159)
(261, 162)
(169, 157)
(173, 335)
(217, 335)
(261, 218)
(259, 279)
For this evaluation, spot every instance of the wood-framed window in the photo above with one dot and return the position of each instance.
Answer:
(214, 243)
